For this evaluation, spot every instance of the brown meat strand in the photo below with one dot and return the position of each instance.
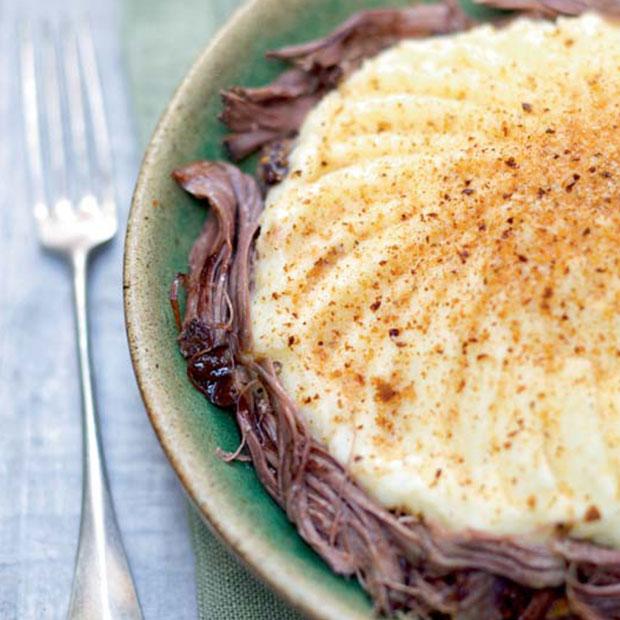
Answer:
(273, 164)
(216, 324)
(404, 563)
(257, 116)
(551, 8)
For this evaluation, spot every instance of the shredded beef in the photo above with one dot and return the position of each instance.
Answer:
(257, 116)
(273, 164)
(551, 8)
(403, 562)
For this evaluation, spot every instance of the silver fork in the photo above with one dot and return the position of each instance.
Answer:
(58, 66)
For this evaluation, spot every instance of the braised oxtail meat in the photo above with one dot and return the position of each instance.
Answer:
(258, 116)
(551, 8)
(405, 563)
(273, 164)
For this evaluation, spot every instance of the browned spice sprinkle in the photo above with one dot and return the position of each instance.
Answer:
(511, 162)
(527, 107)
(569, 187)
(384, 391)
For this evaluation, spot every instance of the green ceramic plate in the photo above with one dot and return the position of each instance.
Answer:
(163, 223)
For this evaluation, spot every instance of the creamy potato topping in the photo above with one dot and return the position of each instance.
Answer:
(439, 277)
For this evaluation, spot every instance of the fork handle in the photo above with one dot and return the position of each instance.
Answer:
(103, 587)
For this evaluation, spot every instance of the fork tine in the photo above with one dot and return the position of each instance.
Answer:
(75, 105)
(67, 138)
(53, 96)
(94, 96)
(30, 104)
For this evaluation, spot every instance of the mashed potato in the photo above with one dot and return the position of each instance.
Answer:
(439, 277)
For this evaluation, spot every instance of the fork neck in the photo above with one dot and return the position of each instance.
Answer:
(79, 263)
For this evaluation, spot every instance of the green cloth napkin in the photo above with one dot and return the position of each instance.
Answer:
(162, 38)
